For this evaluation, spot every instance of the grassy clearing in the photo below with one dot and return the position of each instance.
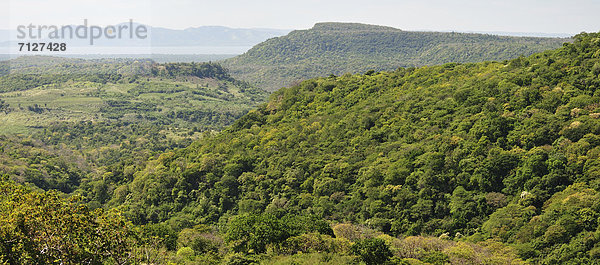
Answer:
(150, 99)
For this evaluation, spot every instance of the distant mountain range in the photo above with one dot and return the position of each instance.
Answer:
(338, 48)
(213, 36)
(216, 39)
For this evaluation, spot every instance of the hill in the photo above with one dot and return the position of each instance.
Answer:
(212, 36)
(120, 89)
(66, 122)
(338, 48)
(479, 152)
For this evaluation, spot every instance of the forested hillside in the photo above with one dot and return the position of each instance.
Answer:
(483, 153)
(338, 48)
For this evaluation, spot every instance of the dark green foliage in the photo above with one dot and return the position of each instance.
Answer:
(254, 232)
(435, 257)
(338, 48)
(162, 234)
(374, 251)
(202, 70)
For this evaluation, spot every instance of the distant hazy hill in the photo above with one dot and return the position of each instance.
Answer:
(213, 36)
(216, 37)
(337, 48)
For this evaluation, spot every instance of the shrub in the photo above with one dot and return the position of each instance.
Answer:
(372, 251)
(186, 253)
(435, 257)
(314, 242)
(239, 259)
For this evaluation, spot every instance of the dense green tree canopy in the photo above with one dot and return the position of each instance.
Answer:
(428, 150)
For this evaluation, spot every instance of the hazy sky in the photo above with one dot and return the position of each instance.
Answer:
(550, 16)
